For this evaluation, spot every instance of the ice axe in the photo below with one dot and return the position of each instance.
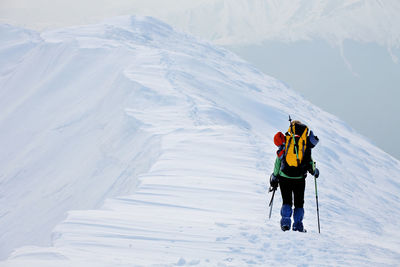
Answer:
(271, 203)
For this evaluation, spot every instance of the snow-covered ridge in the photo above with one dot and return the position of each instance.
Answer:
(158, 146)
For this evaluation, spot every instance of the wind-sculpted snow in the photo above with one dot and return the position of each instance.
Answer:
(129, 144)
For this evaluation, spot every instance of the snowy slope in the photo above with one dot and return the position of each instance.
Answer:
(127, 143)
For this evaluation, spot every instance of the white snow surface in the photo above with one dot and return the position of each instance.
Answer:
(127, 143)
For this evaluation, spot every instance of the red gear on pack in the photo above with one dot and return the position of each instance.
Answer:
(279, 139)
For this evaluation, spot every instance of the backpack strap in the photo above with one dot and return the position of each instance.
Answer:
(294, 141)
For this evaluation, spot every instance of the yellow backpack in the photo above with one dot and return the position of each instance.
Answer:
(296, 143)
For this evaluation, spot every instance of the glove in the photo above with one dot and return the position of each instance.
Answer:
(316, 173)
(274, 182)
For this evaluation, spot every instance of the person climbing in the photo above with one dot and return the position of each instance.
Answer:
(292, 163)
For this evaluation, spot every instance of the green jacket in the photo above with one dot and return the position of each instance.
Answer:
(310, 166)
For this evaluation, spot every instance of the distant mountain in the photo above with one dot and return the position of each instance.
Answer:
(233, 22)
(249, 22)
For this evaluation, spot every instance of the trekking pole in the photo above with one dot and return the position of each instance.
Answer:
(271, 202)
(316, 198)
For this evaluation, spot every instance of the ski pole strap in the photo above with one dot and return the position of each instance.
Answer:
(313, 164)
